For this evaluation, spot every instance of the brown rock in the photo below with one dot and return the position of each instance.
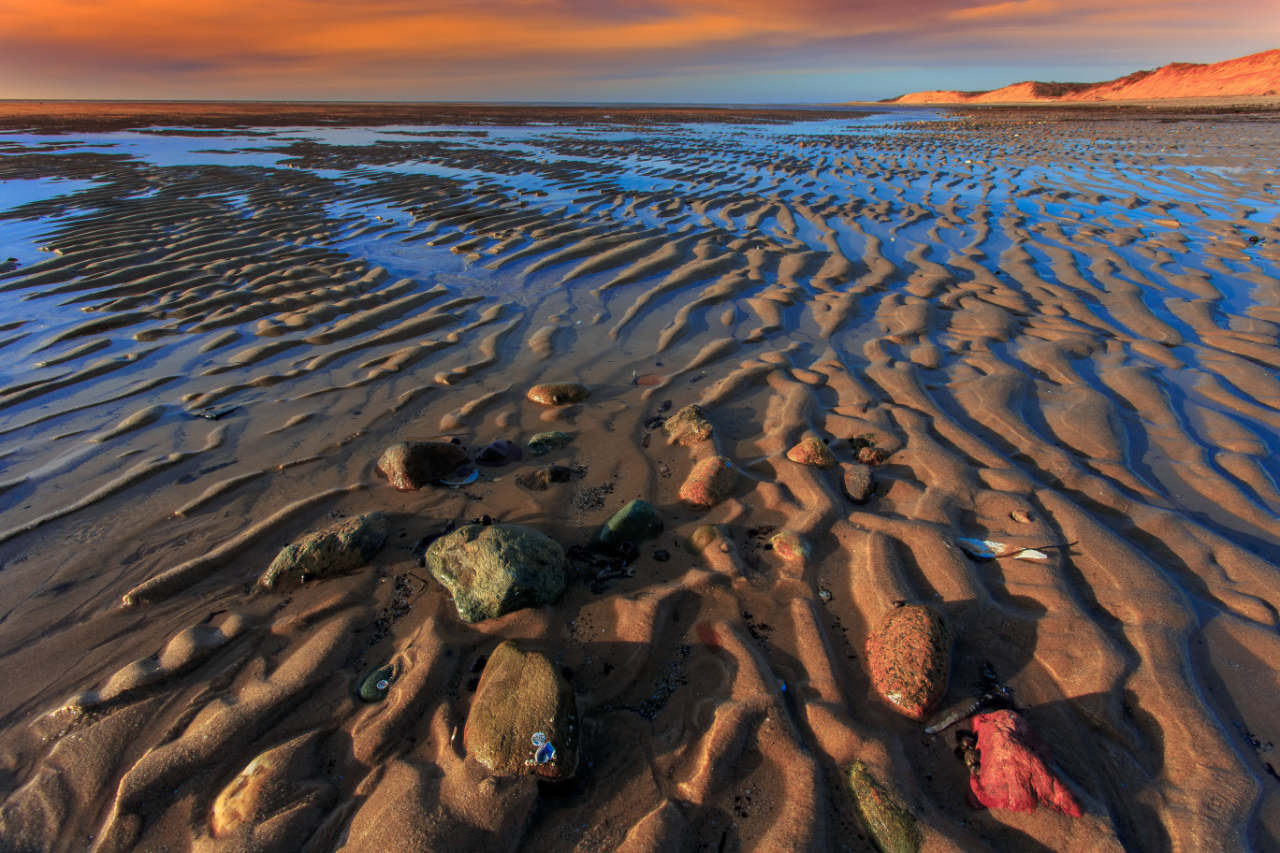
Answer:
(558, 393)
(688, 426)
(812, 450)
(871, 455)
(540, 479)
(410, 465)
(859, 482)
(710, 482)
(520, 695)
(909, 657)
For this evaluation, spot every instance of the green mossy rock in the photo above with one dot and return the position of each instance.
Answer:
(546, 442)
(891, 824)
(634, 523)
(521, 693)
(558, 393)
(491, 570)
(688, 426)
(340, 548)
(375, 685)
(909, 657)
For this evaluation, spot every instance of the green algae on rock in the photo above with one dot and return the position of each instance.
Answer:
(634, 523)
(339, 548)
(491, 570)
(909, 657)
(890, 824)
(711, 481)
(522, 704)
(375, 685)
(410, 465)
(546, 442)
(558, 393)
(688, 426)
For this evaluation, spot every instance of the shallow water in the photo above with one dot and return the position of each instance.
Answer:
(1060, 332)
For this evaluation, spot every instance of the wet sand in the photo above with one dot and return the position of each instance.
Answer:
(1057, 329)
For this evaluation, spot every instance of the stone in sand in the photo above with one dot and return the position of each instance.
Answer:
(522, 694)
(633, 524)
(909, 657)
(1011, 774)
(374, 686)
(890, 824)
(812, 451)
(702, 537)
(790, 546)
(710, 481)
(491, 570)
(859, 482)
(499, 453)
(339, 548)
(540, 479)
(546, 442)
(411, 465)
(558, 393)
(688, 427)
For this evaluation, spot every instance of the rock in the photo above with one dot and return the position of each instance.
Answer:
(500, 452)
(558, 393)
(909, 656)
(858, 482)
(340, 548)
(633, 524)
(790, 546)
(812, 450)
(411, 465)
(491, 570)
(546, 442)
(375, 685)
(1010, 772)
(702, 536)
(522, 695)
(540, 479)
(871, 455)
(890, 824)
(688, 427)
(710, 481)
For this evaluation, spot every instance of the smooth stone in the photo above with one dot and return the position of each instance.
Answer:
(790, 546)
(702, 537)
(909, 657)
(339, 548)
(558, 393)
(711, 481)
(410, 465)
(812, 451)
(520, 694)
(500, 452)
(547, 442)
(369, 689)
(890, 824)
(634, 523)
(540, 479)
(859, 482)
(688, 426)
(491, 570)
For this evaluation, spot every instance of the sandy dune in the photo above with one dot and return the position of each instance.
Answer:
(1057, 333)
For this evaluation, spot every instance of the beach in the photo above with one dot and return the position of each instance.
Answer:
(1055, 330)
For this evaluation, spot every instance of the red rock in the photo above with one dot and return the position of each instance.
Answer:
(909, 657)
(710, 482)
(1011, 774)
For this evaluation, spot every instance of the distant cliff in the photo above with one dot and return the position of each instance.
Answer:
(1248, 76)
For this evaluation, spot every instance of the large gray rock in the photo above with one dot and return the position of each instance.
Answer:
(521, 695)
(339, 548)
(491, 570)
(410, 465)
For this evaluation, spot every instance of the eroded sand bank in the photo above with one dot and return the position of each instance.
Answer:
(1056, 331)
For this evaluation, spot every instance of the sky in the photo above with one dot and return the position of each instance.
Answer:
(674, 51)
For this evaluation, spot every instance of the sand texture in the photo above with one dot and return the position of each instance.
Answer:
(904, 334)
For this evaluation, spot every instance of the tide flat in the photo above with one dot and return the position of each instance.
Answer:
(1057, 329)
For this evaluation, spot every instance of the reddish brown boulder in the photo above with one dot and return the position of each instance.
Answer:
(909, 656)
(1011, 773)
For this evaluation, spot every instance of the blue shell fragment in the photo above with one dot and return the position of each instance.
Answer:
(545, 753)
(539, 738)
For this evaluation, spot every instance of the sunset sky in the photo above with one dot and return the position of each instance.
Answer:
(741, 51)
